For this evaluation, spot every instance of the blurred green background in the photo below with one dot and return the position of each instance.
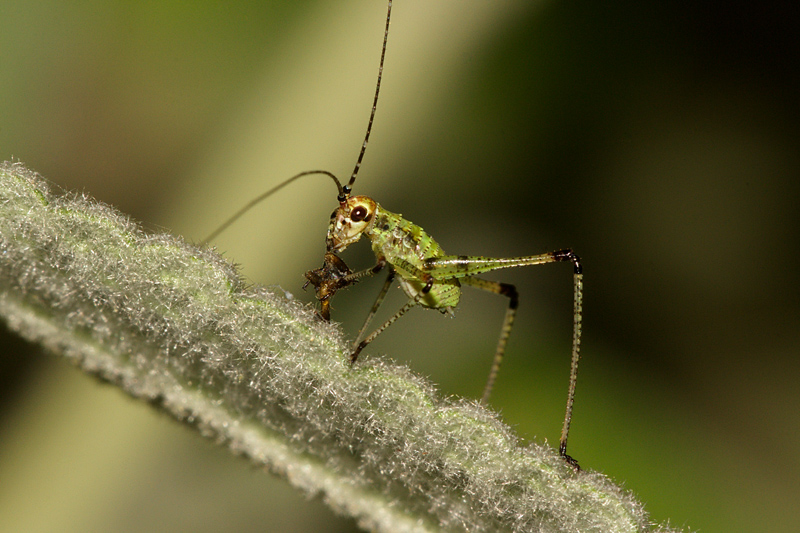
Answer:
(660, 141)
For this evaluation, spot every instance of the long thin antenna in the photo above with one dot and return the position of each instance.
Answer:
(348, 187)
(260, 197)
(344, 191)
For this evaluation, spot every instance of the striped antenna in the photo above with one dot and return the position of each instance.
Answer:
(349, 186)
(267, 194)
(344, 191)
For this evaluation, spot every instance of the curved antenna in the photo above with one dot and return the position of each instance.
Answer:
(255, 201)
(344, 191)
(347, 188)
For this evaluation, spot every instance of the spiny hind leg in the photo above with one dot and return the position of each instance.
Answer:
(513, 301)
(463, 267)
(576, 356)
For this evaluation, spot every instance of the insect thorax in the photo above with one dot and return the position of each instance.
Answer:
(406, 247)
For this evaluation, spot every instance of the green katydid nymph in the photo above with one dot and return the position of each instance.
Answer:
(430, 278)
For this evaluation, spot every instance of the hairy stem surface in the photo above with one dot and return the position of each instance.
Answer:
(173, 324)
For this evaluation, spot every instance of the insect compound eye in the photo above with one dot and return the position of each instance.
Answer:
(358, 214)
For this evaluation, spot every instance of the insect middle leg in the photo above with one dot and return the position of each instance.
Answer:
(375, 306)
(403, 310)
(513, 301)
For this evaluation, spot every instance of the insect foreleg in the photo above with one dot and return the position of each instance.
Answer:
(513, 301)
(356, 276)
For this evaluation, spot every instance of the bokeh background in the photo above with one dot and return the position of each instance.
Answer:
(660, 141)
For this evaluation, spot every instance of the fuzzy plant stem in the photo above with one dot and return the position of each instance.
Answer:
(174, 325)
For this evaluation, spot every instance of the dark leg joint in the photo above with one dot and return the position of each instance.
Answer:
(569, 255)
(562, 451)
(510, 291)
(427, 288)
(379, 266)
